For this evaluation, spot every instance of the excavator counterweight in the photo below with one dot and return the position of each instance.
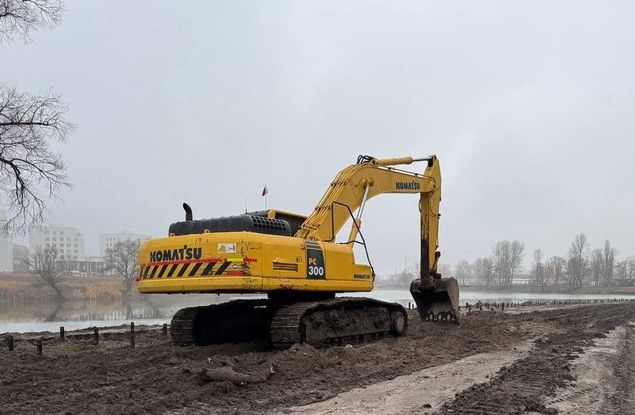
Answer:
(298, 263)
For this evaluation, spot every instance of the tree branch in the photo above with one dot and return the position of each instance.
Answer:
(20, 18)
(29, 170)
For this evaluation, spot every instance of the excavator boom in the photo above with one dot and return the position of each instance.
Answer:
(355, 185)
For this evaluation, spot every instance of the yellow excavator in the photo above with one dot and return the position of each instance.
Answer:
(296, 261)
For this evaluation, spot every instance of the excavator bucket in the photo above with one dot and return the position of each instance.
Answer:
(439, 302)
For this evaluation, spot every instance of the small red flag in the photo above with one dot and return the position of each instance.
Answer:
(265, 191)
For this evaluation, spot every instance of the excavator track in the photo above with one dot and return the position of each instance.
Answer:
(319, 323)
(344, 319)
(233, 321)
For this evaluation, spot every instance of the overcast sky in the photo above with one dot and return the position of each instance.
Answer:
(530, 107)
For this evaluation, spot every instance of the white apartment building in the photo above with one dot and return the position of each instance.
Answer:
(108, 240)
(68, 240)
(6, 246)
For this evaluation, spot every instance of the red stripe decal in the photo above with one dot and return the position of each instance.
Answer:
(194, 261)
(185, 261)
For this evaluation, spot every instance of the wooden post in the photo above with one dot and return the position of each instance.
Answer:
(165, 329)
(132, 339)
(10, 343)
(96, 335)
(39, 347)
(62, 334)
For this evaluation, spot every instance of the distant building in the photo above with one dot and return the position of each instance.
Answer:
(108, 240)
(20, 256)
(89, 266)
(6, 246)
(68, 240)
(522, 280)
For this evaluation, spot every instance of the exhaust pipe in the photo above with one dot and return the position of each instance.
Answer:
(188, 212)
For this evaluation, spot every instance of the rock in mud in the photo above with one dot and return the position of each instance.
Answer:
(229, 374)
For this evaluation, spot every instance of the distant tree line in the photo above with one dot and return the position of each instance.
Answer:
(582, 266)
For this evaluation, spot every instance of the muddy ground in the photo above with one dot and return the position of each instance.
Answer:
(536, 361)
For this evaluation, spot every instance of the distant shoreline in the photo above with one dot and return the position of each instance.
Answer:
(529, 289)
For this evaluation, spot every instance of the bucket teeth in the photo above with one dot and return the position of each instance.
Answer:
(449, 316)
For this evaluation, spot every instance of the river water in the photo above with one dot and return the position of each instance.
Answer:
(159, 309)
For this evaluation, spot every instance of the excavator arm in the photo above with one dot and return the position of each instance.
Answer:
(369, 177)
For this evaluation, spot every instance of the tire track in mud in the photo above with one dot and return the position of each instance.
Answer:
(403, 394)
(524, 386)
(623, 400)
(604, 378)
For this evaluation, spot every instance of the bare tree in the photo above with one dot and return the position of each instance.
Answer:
(518, 252)
(597, 266)
(122, 259)
(402, 277)
(488, 271)
(30, 172)
(556, 268)
(20, 18)
(484, 271)
(507, 257)
(578, 263)
(500, 258)
(538, 271)
(621, 269)
(462, 271)
(45, 262)
(631, 269)
(609, 253)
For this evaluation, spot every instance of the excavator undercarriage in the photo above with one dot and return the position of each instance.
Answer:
(333, 321)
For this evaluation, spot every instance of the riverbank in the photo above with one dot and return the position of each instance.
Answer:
(494, 362)
(28, 288)
(526, 289)
(533, 289)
